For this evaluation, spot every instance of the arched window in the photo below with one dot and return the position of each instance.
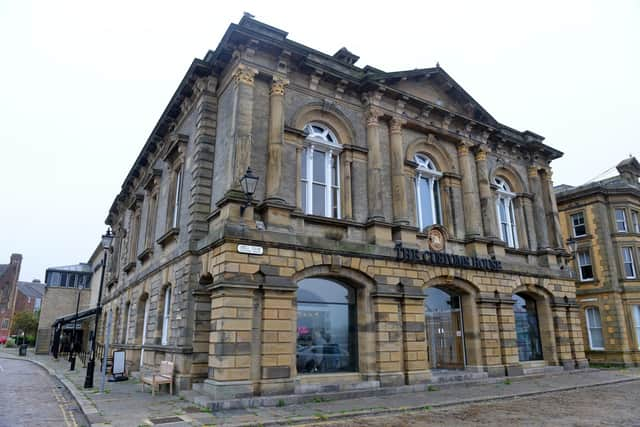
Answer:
(320, 174)
(594, 328)
(326, 329)
(527, 330)
(506, 215)
(427, 192)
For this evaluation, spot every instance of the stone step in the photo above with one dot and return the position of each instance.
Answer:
(542, 370)
(441, 377)
(331, 388)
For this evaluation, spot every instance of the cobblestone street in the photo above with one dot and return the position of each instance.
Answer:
(611, 405)
(29, 396)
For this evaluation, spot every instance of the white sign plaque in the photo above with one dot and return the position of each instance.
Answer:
(251, 250)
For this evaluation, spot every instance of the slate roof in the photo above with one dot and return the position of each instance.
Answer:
(79, 268)
(31, 289)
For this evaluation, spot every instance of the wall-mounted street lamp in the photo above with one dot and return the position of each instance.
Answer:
(249, 182)
(107, 239)
(573, 247)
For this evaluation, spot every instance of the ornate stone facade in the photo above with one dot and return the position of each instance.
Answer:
(602, 218)
(357, 167)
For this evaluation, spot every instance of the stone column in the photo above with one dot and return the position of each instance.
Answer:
(552, 211)
(276, 140)
(244, 80)
(539, 214)
(521, 229)
(206, 109)
(398, 182)
(416, 366)
(230, 342)
(374, 166)
(530, 221)
(278, 357)
(487, 205)
(470, 200)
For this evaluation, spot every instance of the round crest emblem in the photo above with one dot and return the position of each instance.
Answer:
(436, 239)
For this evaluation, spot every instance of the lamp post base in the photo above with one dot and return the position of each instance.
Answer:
(73, 363)
(88, 380)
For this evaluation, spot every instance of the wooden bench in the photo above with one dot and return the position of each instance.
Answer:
(163, 376)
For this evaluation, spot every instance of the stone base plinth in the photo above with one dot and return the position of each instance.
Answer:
(223, 390)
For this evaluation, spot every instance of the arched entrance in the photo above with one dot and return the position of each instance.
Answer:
(445, 328)
(326, 327)
(525, 311)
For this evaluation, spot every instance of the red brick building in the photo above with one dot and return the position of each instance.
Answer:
(9, 274)
(29, 296)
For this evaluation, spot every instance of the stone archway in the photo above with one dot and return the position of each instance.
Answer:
(469, 330)
(544, 313)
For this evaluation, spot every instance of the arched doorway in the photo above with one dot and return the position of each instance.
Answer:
(525, 311)
(445, 328)
(326, 327)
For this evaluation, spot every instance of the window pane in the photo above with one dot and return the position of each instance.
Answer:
(636, 317)
(303, 172)
(318, 202)
(334, 201)
(621, 220)
(321, 290)
(334, 170)
(436, 201)
(303, 195)
(319, 172)
(424, 188)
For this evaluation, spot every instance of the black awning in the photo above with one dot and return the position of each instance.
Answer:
(71, 317)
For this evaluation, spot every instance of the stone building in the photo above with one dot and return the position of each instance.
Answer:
(66, 288)
(29, 297)
(396, 228)
(9, 274)
(602, 218)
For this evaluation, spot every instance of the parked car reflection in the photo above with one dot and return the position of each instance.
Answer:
(321, 358)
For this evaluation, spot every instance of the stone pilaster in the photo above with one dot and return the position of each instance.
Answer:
(374, 166)
(563, 338)
(490, 338)
(527, 207)
(276, 140)
(206, 109)
(230, 343)
(508, 338)
(398, 181)
(278, 361)
(244, 81)
(487, 205)
(470, 200)
(389, 343)
(539, 214)
(553, 216)
(416, 365)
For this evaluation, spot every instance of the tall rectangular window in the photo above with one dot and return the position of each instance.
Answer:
(634, 220)
(320, 182)
(584, 265)
(629, 265)
(134, 235)
(594, 328)
(621, 221)
(175, 195)
(165, 316)
(636, 321)
(577, 221)
(151, 221)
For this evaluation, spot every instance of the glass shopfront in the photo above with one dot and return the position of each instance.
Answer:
(326, 329)
(445, 332)
(527, 330)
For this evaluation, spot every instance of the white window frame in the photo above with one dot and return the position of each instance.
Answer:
(427, 171)
(622, 221)
(166, 315)
(627, 259)
(580, 265)
(506, 196)
(326, 142)
(590, 327)
(175, 215)
(636, 318)
(573, 217)
(635, 222)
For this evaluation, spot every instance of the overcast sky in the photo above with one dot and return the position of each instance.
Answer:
(82, 85)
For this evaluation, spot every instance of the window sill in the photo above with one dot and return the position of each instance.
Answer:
(129, 267)
(586, 280)
(146, 254)
(325, 220)
(168, 237)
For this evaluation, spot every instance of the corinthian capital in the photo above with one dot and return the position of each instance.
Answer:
(396, 124)
(244, 74)
(373, 114)
(278, 85)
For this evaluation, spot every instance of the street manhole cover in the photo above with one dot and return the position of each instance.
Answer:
(165, 420)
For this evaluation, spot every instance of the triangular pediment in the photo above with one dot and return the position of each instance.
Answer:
(435, 86)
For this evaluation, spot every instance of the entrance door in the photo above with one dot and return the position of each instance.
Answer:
(527, 331)
(445, 332)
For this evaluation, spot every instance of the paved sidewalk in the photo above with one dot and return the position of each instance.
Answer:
(123, 404)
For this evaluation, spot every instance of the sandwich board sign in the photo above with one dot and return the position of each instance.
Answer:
(118, 368)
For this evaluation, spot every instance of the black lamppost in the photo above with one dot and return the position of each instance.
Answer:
(72, 356)
(249, 181)
(106, 244)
